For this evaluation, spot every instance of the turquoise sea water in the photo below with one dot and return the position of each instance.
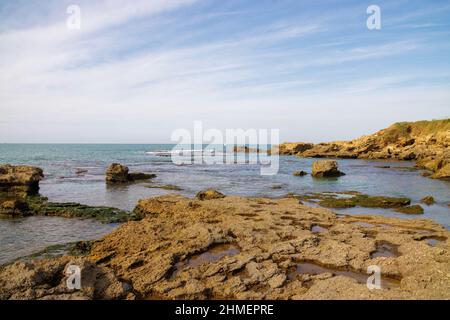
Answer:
(61, 183)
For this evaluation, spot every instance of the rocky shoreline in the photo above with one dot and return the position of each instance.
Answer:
(216, 246)
(19, 195)
(241, 248)
(426, 142)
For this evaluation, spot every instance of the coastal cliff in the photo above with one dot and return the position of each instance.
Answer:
(426, 142)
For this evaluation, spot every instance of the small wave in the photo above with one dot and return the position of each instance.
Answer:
(189, 152)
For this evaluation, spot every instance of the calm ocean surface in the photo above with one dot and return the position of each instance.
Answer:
(23, 236)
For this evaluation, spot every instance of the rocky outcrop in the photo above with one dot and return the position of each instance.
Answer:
(14, 208)
(325, 168)
(209, 195)
(299, 173)
(239, 248)
(293, 148)
(117, 173)
(19, 186)
(443, 172)
(426, 142)
(415, 209)
(20, 179)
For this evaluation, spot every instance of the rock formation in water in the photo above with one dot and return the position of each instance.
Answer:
(117, 173)
(299, 173)
(426, 142)
(246, 248)
(245, 149)
(325, 168)
(428, 200)
(19, 186)
(20, 179)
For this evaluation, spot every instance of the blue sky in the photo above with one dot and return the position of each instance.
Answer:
(137, 70)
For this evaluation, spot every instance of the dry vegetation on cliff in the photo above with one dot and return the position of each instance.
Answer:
(427, 142)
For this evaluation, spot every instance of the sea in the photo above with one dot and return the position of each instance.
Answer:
(61, 162)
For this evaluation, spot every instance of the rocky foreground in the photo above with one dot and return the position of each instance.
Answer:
(238, 248)
(426, 142)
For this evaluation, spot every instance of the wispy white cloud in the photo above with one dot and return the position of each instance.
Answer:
(79, 88)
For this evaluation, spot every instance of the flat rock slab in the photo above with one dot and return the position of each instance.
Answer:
(240, 248)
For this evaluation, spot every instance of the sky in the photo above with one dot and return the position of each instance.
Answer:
(137, 70)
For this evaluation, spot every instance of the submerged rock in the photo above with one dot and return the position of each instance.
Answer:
(366, 201)
(164, 187)
(299, 173)
(117, 173)
(80, 171)
(135, 176)
(209, 195)
(20, 179)
(353, 199)
(40, 206)
(415, 209)
(325, 168)
(428, 200)
(245, 149)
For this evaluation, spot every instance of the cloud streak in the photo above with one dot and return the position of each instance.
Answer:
(138, 70)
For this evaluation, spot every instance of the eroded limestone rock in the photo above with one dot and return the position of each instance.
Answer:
(325, 168)
(20, 179)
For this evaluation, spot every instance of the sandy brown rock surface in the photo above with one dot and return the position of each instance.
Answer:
(426, 142)
(239, 248)
(325, 168)
(20, 179)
